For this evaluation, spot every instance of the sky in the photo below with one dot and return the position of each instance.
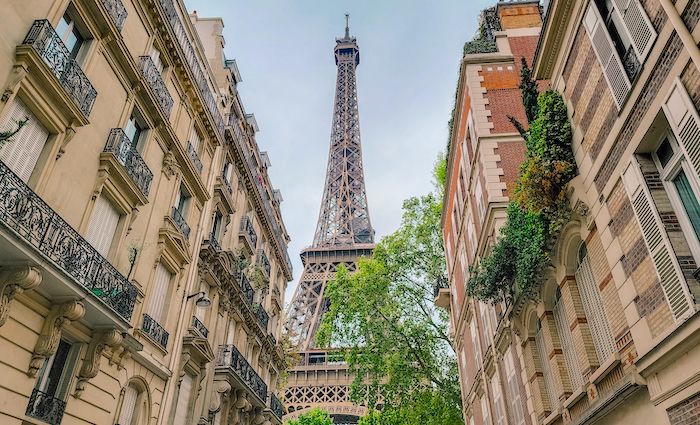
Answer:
(409, 64)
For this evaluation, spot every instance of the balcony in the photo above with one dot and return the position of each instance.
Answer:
(199, 327)
(120, 145)
(45, 407)
(48, 45)
(155, 83)
(212, 242)
(180, 222)
(155, 331)
(276, 406)
(246, 287)
(229, 357)
(195, 158)
(53, 242)
(264, 262)
(247, 233)
(261, 314)
(441, 293)
(116, 11)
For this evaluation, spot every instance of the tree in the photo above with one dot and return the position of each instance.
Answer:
(313, 417)
(383, 317)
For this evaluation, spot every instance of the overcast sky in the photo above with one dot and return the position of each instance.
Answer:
(409, 52)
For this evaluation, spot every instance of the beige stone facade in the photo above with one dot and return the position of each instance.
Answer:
(612, 337)
(143, 257)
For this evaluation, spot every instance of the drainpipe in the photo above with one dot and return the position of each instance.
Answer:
(682, 30)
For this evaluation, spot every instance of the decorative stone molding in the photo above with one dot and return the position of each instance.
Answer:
(221, 390)
(14, 281)
(59, 316)
(240, 407)
(121, 353)
(19, 71)
(91, 363)
(170, 166)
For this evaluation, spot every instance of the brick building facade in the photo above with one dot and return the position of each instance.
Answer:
(613, 334)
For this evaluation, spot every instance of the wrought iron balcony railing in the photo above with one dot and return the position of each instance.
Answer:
(119, 144)
(226, 184)
(213, 242)
(264, 262)
(155, 82)
(116, 11)
(261, 314)
(248, 231)
(195, 158)
(246, 287)
(23, 212)
(155, 331)
(45, 407)
(631, 64)
(276, 406)
(229, 356)
(43, 38)
(198, 326)
(180, 222)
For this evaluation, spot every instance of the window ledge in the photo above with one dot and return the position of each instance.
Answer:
(556, 414)
(576, 396)
(605, 368)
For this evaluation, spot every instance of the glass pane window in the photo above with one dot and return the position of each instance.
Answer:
(69, 34)
(665, 153)
(133, 131)
(182, 200)
(689, 200)
(56, 372)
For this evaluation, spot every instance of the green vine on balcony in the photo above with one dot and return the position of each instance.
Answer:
(518, 262)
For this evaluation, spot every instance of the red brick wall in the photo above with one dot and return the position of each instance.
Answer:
(686, 413)
(512, 155)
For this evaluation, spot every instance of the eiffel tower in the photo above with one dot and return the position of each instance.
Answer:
(343, 235)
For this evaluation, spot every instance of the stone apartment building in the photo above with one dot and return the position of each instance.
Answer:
(613, 334)
(143, 257)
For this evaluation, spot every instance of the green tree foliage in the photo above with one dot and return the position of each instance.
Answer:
(528, 91)
(383, 316)
(427, 407)
(313, 417)
(440, 174)
(517, 262)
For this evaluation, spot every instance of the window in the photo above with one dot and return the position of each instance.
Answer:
(195, 140)
(217, 226)
(55, 376)
(157, 61)
(593, 306)
(475, 343)
(488, 322)
(543, 356)
(231, 334)
(182, 200)
(516, 405)
(227, 172)
(69, 34)
(22, 152)
(134, 130)
(128, 414)
(567, 342)
(485, 410)
(161, 283)
(499, 414)
(102, 226)
(612, 21)
(183, 400)
(479, 195)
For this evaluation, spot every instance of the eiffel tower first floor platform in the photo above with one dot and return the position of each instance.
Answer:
(322, 381)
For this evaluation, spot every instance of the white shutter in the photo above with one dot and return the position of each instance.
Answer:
(670, 274)
(183, 400)
(156, 303)
(567, 344)
(546, 370)
(102, 226)
(194, 140)
(607, 55)
(513, 388)
(685, 123)
(22, 152)
(128, 405)
(638, 25)
(499, 414)
(595, 315)
(475, 343)
(485, 411)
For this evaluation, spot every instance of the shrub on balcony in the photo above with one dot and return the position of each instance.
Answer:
(518, 261)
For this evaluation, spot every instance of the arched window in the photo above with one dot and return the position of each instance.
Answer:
(593, 306)
(546, 370)
(134, 405)
(567, 341)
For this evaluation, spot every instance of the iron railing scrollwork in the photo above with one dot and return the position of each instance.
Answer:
(180, 222)
(195, 158)
(246, 287)
(155, 331)
(213, 242)
(116, 11)
(263, 317)
(248, 230)
(119, 144)
(46, 42)
(198, 326)
(631, 64)
(276, 406)
(229, 356)
(155, 82)
(45, 407)
(227, 184)
(264, 262)
(26, 214)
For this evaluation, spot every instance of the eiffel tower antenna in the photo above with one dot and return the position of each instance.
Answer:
(347, 25)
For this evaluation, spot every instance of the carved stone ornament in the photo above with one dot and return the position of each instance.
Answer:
(221, 389)
(19, 71)
(259, 418)
(91, 362)
(59, 316)
(14, 281)
(170, 165)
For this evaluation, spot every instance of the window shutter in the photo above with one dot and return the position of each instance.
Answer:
(515, 401)
(670, 275)
(639, 27)
(485, 410)
(128, 405)
(546, 371)
(685, 123)
(567, 344)
(102, 226)
(183, 400)
(499, 414)
(156, 303)
(475, 343)
(595, 315)
(605, 51)
(22, 152)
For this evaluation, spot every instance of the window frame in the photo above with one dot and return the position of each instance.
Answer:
(66, 375)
